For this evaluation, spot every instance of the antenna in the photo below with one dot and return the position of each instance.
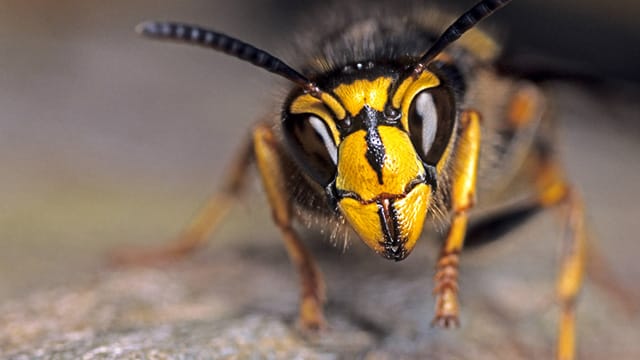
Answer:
(465, 22)
(196, 35)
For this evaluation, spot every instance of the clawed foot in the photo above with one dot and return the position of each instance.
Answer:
(446, 309)
(311, 315)
(446, 292)
(445, 321)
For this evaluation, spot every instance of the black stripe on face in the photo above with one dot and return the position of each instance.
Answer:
(393, 243)
(376, 154)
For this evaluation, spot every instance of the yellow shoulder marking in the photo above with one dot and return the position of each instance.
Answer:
(480, 44)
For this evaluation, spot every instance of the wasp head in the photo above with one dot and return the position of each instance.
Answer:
(376, 142)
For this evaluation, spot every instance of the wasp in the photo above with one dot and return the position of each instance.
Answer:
(390, 123)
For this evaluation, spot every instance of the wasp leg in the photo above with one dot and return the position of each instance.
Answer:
(511, 147)
(462, 199)
(197, 232)
(272, 171)
(554, 190)
(570, 276)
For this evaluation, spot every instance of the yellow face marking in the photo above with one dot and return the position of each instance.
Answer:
(410, 86)
(401, 164)
(365, 221)
(426, 80)
(307, 104)
(412, 211)
(356, 95)
(334, 105)
(396, 101)
(400, 168)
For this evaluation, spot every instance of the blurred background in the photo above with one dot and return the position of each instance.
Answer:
(108, 139)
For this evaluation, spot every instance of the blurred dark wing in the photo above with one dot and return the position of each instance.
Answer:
(539, 67)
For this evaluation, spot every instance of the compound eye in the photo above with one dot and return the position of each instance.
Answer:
(313, 146)
(423, 121)
(431, 124)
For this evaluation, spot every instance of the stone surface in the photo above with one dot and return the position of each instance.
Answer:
(242, 304)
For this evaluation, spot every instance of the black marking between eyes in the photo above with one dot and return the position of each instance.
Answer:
(376, 153)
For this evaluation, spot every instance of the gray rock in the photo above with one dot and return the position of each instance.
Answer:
(243, 304)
